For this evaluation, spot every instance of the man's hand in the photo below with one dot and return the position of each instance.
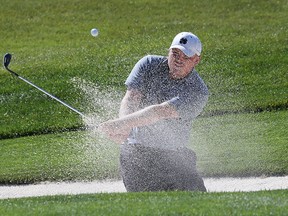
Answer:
(114, 130)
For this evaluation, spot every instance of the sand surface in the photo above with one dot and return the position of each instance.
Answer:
(212, 185)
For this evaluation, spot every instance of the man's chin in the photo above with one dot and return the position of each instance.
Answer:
(175, 75)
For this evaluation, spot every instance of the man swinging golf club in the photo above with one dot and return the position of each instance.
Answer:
(164, 95)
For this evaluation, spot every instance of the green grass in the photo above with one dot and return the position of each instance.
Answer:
(242, 144)
(244, 53)
(162, 203)
(244, 64)
(57, 157)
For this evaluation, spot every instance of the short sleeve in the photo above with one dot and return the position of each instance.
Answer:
(136, 77)
(144, 68)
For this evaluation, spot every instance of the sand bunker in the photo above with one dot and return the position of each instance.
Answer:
(212, 185)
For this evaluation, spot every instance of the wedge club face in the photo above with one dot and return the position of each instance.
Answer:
(7, 59)
(6, 62)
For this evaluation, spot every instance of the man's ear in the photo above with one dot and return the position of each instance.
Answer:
(197, 59)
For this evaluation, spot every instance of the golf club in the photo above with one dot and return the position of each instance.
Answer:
(6, 62)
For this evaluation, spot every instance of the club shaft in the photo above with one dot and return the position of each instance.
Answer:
(42, 90)
(6, 61)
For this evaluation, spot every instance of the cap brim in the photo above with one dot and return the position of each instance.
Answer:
(183, 49)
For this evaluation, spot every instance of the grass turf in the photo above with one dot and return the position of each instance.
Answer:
(244, 64)
(244, 54)
(51, 50)
(57, 157)
(161, 203)
(242, 144)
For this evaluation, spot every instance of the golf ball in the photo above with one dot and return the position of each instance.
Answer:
(94, 32)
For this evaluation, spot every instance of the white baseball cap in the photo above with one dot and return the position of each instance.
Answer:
(188, 43)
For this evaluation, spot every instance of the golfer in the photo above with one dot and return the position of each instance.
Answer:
(164, 95)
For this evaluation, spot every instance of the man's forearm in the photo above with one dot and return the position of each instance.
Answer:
(119, 129)
(147, 116)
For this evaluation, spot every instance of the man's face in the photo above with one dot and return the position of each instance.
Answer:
(179, 64)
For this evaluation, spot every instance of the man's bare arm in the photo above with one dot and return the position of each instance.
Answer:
(148, 115)
(130, 102)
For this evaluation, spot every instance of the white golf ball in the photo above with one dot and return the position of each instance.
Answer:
(94, 32)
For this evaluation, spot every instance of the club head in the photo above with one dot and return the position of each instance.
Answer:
(7, 59)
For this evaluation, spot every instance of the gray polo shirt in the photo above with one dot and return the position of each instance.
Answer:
(189, 95)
